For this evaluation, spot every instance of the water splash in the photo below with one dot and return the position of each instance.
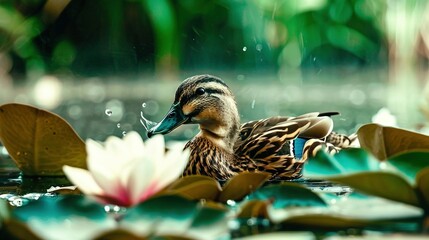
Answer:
(147, 124)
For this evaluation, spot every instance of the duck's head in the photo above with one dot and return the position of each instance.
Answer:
(205, 100)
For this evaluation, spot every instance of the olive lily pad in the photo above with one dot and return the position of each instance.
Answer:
(202, 187)
(385, 142)
(39, 141)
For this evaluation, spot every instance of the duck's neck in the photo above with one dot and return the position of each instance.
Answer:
(222, 130)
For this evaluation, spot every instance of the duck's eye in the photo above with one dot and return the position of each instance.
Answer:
(200, 91)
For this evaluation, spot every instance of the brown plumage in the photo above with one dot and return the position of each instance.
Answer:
(224, 147)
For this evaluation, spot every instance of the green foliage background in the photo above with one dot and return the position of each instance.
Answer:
(131, 37)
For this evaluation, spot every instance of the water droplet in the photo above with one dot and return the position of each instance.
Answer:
(244, 49)
(251, 221)
(17, 201)
(124, 133)
(108, 112)
(253, 103)
(118, 125)
(144, 105)
(18, 153)
(258, 47)
(231, 203)
(234, 224)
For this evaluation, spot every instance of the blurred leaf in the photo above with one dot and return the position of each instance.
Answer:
(254, 208)
(13, 229)
(385, 142)
(208, 215)
(346, 161)
(196, 187)
(382, 184)
(410, 163)
(422, 182)
(313, 221)
(60, 208)
(164, 206)
(39, 142)
(288, 194)
(119, 234)
(241, 185)
(202, 187)
(173, 215)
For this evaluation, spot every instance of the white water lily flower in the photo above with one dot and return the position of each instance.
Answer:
(127, 171)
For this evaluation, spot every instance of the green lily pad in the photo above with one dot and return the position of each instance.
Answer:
(163, 207)
(385, 142)
(39, 141)
(346, 161)
(410, 163)
(174, 215)
(287, 194)
(60, 208)
(383, 184)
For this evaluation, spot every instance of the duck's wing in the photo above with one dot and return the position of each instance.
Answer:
(272, 139)
(310, 125)
(262, 138)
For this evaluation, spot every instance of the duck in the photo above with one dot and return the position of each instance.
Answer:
(224, 147)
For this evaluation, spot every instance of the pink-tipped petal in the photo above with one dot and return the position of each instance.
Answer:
(141, 177)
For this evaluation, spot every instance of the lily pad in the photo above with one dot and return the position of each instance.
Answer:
(320, 221)
(410, 163)
(39, 141)
(241, 185)
(287, 194)
(422, 182)
(119, 234)
(254, 209)
(60, 208)
(346, 161)
(202, 187)
(70, 216)
(385, 142)
(383, 184)
(196, 187)
(174, 215)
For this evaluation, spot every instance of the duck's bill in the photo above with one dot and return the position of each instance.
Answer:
(172, 120)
